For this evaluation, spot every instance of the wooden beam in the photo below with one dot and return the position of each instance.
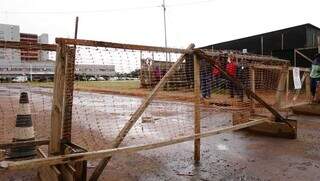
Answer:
(93, 43)
(27, 45)
(24, 143)
(124, 131)
(61, 159)
(302, 55)
(57, 102)
(68, 94)
(281, 87)
(318, 41)
(308, 88)
(301, 69)
(273, 67)
(252, 57)
(253, 86)
(197, 119)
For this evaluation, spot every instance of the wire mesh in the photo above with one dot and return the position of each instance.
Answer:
(111, 83)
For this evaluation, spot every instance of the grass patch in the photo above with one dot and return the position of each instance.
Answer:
(121, 87)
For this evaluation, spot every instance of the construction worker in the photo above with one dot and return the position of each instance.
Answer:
(315, 75)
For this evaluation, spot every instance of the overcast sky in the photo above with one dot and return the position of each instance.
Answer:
(201, 22)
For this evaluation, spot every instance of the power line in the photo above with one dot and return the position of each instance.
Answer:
(83, 12)
(110, 10)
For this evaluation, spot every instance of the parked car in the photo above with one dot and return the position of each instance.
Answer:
(20, 79)
(101, 79)
(92, 79)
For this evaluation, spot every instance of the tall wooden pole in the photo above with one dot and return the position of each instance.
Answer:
(281, 87)
(197, 115)
(57, 102)
(253, 86)
(68, 94)
(318, 44)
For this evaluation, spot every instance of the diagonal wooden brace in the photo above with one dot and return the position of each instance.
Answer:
(124, 131)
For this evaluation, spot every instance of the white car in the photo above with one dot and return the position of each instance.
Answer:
(20, 79)
(101, 79)
(92, 79)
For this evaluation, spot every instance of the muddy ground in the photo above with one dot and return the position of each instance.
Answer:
(231, 156)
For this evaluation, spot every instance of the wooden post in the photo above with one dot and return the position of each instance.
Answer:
(253, 86)
(318, 44)
(287, 86)
(282, 41)
(68, 94)
(261, 41)
(57, 102)
(281, 87)
(124, 131)
(308, 89)
(294, 58)
(197, 100)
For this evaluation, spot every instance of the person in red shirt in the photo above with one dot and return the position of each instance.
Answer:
(216, 74)
(231, 69)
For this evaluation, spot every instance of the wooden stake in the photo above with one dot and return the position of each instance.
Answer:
(68, 94)
(61, 159)
(318, 44)
(197, 100)
(253, 86)
(57, 102)
(281, 87)
(124, 131)
(308, 89)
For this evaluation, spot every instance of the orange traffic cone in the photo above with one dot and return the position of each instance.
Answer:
(24, 130)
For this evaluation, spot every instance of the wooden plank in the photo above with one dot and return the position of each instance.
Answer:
(68, 94)
(307, 109)
(24, 143)
(67, 172)
(197, 101)
(276, 129)
(124, 131)
(281, 87)
(273, 67)
(57, 102)
(61, 159)
(318, 41)
(253, 86)
(301, 69)
(256, 58)
(27, 45)
(302, 55)
(93, 43)
(48, 173)
(308, 88)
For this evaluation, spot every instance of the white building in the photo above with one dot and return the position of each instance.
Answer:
(9, 33)
(12, 33)
(43, 55)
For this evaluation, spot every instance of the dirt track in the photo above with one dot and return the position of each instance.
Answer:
(232, 156)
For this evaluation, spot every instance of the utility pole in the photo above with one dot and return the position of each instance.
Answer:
(165, 26)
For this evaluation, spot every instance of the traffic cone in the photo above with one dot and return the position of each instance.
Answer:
(24, 130)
